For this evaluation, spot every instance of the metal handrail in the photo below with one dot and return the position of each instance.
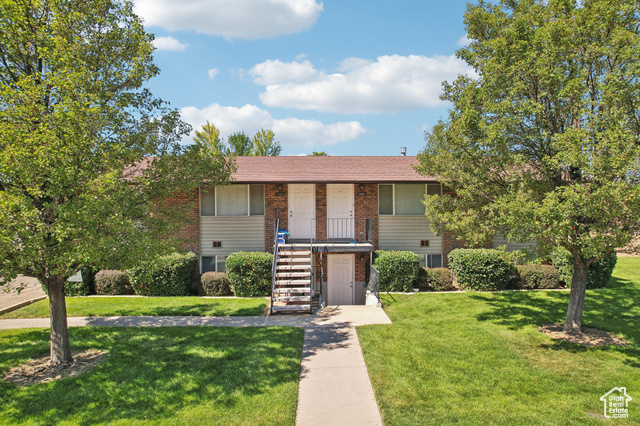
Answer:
(276, 225)
(342, 229)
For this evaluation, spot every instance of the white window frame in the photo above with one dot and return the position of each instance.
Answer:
(215, 262)
(393, 193)
(215, 201)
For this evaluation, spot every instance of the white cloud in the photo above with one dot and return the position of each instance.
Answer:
(289, 131)
(169, 44)
(390, 84)
(212, 73)
(464, 41)
(246, 19)
(277, 72)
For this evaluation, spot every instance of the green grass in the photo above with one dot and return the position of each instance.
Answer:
(128, 306)
(477, 358)
(199, 375)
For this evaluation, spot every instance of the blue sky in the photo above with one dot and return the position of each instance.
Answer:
(346, 77)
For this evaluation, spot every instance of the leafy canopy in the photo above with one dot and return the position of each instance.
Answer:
(543, 144)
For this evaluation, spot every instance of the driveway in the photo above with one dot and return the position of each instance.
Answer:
(31, 291)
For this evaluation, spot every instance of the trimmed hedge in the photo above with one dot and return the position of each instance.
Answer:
(435, 279)
(250, 273)
(214, 284)
(170, 275)
(599, 272)
(536, 276)
(113, 283)
(481, 269)
(398, 269)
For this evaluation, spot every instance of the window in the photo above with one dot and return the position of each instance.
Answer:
(232, 200)
(404, 199)
(217, 244)
(434, 260)
(213, 264)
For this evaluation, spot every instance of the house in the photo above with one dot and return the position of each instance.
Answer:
(337, 210)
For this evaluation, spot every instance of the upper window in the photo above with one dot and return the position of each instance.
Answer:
(404, 199)
(232, 200)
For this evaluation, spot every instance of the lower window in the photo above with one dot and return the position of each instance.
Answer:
(433, 260)
(213, 264)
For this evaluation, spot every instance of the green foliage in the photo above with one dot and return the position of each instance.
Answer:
(88, 274)
(481, 269)
(86, 287)
(170, 275)
(535, 276)
(240, 144)
(214, 284)
(264, 145)
(249, 273)
(319, 154)
(209, 142)
(598, 274)
(113, 283)
(398, 269)
(435, 279)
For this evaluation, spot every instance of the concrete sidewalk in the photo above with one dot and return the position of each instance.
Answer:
(32, 291)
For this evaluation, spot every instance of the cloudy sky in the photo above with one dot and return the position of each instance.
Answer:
(342, 76)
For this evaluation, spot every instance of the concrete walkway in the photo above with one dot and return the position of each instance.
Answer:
(32, 291)
(334, 384)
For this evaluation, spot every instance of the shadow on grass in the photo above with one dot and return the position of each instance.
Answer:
(151, 374)
(195, 309)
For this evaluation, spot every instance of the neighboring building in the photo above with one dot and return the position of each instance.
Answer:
(338, 210)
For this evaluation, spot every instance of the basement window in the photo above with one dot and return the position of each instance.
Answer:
(213, 264)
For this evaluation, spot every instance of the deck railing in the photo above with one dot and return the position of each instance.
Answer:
(342, 229)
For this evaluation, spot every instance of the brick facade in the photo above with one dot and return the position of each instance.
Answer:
(276, 205)
(366, 206)
(190, 233)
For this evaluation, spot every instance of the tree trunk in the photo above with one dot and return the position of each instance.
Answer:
(573, 323)
(60, 348)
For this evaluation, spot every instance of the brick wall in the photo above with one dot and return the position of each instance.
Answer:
(366, 207)
(275, 206)
(190, 233)
(321, 212)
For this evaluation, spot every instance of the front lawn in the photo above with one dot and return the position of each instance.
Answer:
(478, 358)
(128, 306)
(199, 375)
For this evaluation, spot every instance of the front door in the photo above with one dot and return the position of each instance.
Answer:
(340, 211)
(340, 280)
(302, 206)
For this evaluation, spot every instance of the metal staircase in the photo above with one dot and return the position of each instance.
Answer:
(292, 278)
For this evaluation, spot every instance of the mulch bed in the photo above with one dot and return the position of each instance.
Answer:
(41, 371)
(590, 336)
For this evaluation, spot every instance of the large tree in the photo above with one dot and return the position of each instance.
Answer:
(88, 156)
(208, 140)
(240, 144)
(265, 145)
(543, 143)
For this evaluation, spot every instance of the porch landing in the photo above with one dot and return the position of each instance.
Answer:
(329, 247)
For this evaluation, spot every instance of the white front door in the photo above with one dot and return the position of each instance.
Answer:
(340, 280)
(302, 206)
(340, 211)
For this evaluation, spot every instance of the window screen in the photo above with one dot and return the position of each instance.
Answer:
(433, 189)
(208, 264)
(409, 199)
(232, 200)
(221, 263)
(385, 199)
(434, 261)
(207, 202)
(257, 200)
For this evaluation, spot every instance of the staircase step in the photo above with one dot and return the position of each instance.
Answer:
(293, 282)
(290, 267)
(293, 274)
(291, 308)
(293, 299)
(294, 253)
(293, 260)
(290, 290)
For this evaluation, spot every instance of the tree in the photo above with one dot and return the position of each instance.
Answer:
(319, 154)
(240, 144)
(264, 145)
(88, 157)
(543, 143)
(208, 139)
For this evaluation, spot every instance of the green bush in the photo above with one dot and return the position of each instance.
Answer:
(598, 274)
(481, 269)
(435, 279)
(214, 284)
(536, 276)
(85, 287)
(250, 273)
(398, 269)
(170, 275)
(88, 278)
(113, 283)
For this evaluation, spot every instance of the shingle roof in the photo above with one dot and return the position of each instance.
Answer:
(328, 169)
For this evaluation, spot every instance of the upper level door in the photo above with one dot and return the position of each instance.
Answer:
(340, 221)
(302, 209)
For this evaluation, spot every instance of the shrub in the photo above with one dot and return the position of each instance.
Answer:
(435, 279)
(88, 278)
(250, 273)
(85, 287)
(598, 274)
(536, 276)
(481, 269)
(112, 282)
(214, 284)
(170, 275)
(398, 269)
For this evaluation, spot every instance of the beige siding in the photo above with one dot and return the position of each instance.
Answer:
(237, 233)
(500, 240)
(405, 233)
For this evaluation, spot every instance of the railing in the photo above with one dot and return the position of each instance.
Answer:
(274, 265)
(342, 229)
